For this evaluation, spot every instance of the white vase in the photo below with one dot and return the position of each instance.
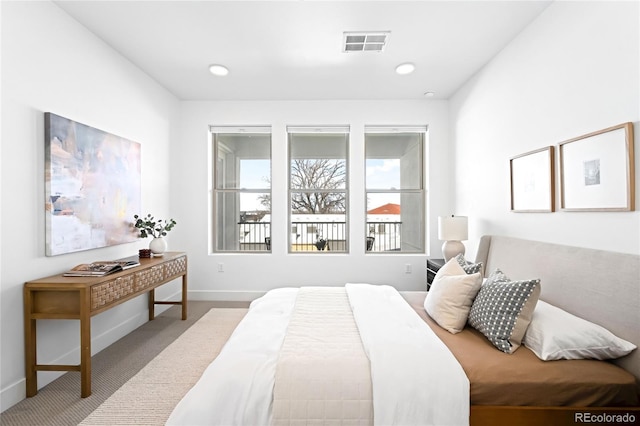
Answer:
(158, 246)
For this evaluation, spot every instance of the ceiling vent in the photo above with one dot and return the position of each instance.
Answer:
(365, 41)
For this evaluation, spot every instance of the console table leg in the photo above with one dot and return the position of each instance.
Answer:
(31, 375)
(85, 345)
(184, 296)
(152, 304)
(30, 356)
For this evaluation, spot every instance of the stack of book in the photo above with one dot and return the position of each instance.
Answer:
(102, 267)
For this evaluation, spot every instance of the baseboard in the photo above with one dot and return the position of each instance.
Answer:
(226, 296)
(12, 394)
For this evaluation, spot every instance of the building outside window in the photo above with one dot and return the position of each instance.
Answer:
(318, 189)
(241, 189)
(395, 189)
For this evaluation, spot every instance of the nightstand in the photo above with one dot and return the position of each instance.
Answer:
(433, 266)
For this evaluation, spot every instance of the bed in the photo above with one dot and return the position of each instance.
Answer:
(337, 355)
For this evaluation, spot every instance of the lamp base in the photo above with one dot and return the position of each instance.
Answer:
(451, 249)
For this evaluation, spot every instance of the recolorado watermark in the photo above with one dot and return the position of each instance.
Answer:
(604, 418)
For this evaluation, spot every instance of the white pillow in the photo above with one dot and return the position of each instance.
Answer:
(451, 295)
(557, 334)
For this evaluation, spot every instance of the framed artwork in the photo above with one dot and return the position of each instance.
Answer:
(533, 181)
(597, 171)
(92, 181)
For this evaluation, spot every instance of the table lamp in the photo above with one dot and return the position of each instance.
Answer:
(451, 230)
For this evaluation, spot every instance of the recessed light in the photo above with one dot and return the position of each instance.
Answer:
(219, 70)
(406, 68)
(429, 94)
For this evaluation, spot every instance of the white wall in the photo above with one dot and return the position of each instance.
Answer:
(572, 71)
(51, 63)
(246, 275)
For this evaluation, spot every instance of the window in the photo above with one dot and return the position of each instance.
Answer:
(395, 189)
(242, 189)
(318, 189)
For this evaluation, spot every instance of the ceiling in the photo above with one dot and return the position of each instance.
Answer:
(292, 50)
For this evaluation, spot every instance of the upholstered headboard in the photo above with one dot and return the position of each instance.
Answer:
(600, 286)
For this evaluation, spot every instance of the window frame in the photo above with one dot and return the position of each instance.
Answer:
(420, 191)
(316, 130)
(218, 232)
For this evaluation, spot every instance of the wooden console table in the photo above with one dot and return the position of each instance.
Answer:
(80, 298)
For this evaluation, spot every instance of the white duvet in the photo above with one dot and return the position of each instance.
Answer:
(415, 379)
(237, 386)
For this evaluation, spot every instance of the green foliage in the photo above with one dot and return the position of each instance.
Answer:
(149, 226)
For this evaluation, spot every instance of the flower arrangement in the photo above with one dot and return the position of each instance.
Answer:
(149, 226)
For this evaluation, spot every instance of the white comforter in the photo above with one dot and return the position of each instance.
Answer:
(237, 386)
(416, 380)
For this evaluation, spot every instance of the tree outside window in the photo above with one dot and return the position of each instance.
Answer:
(318, 190)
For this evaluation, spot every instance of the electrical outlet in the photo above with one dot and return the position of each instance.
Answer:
(220, 267)
(407, 268)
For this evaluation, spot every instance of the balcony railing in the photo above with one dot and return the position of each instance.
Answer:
(255, 236)
(387, 236)
(321, 236)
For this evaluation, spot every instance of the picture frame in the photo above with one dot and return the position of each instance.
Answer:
(597, 170)
(533, 181)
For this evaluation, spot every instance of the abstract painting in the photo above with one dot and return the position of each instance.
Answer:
(92, 187)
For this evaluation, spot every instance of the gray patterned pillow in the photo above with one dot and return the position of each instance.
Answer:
(503, 309)
(469, 267)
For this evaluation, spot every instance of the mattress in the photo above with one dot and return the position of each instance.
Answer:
(522, 379)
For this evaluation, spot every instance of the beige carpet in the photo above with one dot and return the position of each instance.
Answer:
(149, 397)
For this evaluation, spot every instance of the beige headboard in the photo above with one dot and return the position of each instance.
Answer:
(600, 286)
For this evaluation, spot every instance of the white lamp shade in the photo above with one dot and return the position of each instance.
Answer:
(453, 228)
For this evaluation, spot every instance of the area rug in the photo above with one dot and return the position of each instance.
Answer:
(149, 397)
